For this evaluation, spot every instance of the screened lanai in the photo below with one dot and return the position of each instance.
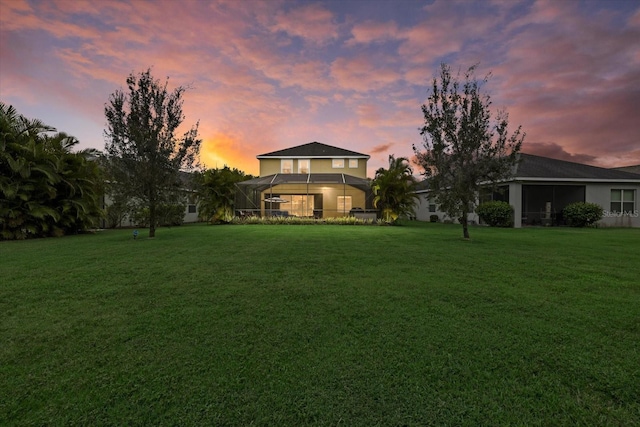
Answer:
(306, 195)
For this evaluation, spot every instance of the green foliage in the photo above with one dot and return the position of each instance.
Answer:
(496, 213)
(216, 190)
(166, 215)
(144, 154)
(582, 214)
(463, 146)
(46, 188)
(394, 190)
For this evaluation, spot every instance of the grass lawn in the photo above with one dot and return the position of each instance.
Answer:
(322, 325)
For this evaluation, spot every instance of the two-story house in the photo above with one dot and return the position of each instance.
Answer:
(309, 180)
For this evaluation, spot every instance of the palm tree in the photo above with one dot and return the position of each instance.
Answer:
(217, 189)
(45, 189)
(394, 190)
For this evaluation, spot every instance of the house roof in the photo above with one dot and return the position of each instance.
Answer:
(633, 169)
(531, 166)
(537, 168)
(315, 150)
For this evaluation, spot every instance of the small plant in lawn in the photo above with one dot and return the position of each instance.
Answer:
(582, 214)
(496, 213)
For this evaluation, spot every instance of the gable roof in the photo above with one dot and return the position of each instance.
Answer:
(531, 166)
(632, 169)
(538, 168)
(315, 150)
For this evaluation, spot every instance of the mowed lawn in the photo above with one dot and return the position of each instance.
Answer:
(322, 325)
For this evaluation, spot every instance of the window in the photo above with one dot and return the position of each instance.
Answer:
(303, 166)
(286, 166)
(191, 209)
(301, 205)
(432, 206)
(622, 201)
(337, 164)
(344, 203)
(353, 163)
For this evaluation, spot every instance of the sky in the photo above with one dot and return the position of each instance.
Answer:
(263, 75)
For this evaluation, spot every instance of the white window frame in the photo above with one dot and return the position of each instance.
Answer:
(308, 163)
(353, 163)
(337, 163)
(627, 196)
(282, 163)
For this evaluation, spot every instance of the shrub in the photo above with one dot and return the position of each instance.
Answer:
(166, 215)
(496, 213)
(434, 218)
(582, 214)
(294, 220)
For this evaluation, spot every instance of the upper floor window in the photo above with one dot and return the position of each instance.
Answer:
(337, 164)
(353, 163)
(303, 166)
(623, 201)
(286, 166)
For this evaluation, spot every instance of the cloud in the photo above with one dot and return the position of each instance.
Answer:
(312, 22)
(380, 149)
(370, 32)
(555, 151)
(363, 74)
(278, 73)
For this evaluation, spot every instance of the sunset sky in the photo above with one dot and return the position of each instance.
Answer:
(267, 75)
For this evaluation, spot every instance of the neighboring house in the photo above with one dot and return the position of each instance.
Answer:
(189, 201)
(541, 187)
(309, 180)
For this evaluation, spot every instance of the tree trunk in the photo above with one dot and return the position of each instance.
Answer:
(152, 218)
(465, 225)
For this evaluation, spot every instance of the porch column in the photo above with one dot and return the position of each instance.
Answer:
(515, 200)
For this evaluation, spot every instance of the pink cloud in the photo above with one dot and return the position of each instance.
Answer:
(568, 80)
(363, 74)
(555, 151)
(312, 22)
(369, 31)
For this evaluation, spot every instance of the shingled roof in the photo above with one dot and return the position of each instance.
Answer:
(315, 150)
(632, 169)
(531, 166)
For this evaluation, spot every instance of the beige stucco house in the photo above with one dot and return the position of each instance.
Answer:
(309, 180)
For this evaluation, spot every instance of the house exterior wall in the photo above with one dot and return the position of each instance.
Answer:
(422, 212)
(126, 221)
(601, 195)
(273, 166)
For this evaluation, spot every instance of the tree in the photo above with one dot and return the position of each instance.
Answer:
(464, 148)
(46, 189)
(216, 193)
(394, 189)
(144, 154)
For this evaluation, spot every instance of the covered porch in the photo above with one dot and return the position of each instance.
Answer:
(304, 195)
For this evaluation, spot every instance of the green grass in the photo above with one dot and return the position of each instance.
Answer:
(322, 325)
